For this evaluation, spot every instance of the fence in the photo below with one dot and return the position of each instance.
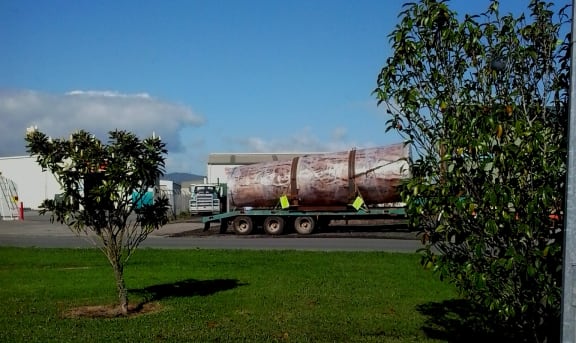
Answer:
(178, 199)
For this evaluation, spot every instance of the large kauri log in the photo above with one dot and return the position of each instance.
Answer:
(321, 180)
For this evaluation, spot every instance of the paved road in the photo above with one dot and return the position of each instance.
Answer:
(37, 231)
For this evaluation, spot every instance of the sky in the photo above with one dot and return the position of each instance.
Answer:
(207, 76)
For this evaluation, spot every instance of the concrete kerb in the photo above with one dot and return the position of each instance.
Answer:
(35, 224)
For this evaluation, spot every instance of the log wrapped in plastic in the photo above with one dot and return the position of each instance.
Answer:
(322, 180)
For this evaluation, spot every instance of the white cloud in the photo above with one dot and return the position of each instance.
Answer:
(305, 140)
(108, 94)
(98, 112)
(339, 133)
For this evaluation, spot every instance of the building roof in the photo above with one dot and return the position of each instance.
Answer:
(249, 158)
(20, 157)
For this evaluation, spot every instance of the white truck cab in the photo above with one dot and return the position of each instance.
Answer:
(205, 199)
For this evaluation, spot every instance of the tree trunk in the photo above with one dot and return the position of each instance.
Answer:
(121, 286)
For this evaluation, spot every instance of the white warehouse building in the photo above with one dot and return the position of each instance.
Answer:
(32, 184)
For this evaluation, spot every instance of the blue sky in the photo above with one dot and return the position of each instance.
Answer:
(206, 75)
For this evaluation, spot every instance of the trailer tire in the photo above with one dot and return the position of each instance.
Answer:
(304, 225)
(274, 225)
(243, 225)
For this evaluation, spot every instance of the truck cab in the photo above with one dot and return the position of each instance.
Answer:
(205, 199)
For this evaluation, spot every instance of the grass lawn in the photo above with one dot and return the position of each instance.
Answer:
(220, 296)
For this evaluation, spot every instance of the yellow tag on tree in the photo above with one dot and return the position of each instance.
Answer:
(284, 203)
(358, 203)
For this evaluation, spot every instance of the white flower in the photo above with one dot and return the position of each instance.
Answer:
(30, 130)
(66, 164)
(130, 168)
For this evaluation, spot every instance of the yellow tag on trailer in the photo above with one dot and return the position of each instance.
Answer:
(284, 203)
(358, 203)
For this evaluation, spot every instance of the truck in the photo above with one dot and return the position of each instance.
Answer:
(206, 198)
(309, 191)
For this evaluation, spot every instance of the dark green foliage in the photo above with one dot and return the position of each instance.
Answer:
(103, 188)
(483, 100)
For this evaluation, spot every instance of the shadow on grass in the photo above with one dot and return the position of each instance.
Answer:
(458, 321)
(185, 288)
(150, 296)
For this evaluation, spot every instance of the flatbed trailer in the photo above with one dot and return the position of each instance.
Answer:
(304, 221)
(310, 190)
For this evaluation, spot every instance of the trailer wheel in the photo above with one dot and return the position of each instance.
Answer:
(274, 225)
(304, 225)
(243, 225)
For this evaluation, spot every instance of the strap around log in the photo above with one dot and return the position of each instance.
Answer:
(351, 175)
(293, 182)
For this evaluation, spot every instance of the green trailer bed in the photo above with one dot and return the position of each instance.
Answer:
(274, 221)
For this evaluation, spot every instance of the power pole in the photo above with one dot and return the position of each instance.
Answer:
(569, 246)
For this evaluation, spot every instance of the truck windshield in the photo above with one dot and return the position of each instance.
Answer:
(204, 190)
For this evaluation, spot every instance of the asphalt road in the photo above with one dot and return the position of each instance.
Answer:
(37, 231)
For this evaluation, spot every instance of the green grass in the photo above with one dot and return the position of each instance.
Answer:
(220, 296)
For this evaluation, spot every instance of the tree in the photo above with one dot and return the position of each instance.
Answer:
(483, 101)
(105, 191)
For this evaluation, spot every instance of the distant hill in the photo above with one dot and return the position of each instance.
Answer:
(181, 177)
